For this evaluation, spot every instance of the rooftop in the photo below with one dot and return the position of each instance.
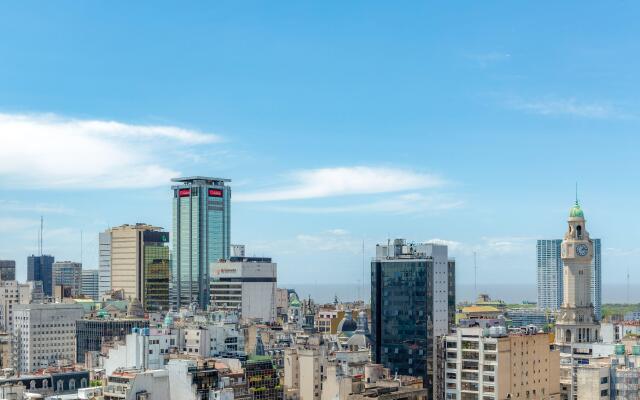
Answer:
(191, 179)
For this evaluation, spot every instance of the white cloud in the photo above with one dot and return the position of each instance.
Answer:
(39, 208)
(13, 224)
(451, 244)
(570, 106)
(489, 58)
(409, 203)
(342, 181)
(49, 151)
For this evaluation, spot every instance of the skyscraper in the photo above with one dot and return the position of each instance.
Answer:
(7, 270)
(135, 258)
(90, 284)
(104, 262)
(550, 276)
(40, 268)
(69, 275)
(412, 304)
(200, 236)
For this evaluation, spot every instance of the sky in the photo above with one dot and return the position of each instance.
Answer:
(341, 124)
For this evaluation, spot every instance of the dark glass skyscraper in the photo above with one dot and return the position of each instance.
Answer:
(40, 268)
(200, 236)
(412, 304)
(7, 270)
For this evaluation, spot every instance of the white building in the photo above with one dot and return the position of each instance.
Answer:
(144, 348)
(194, 379)
(135, 384)
(13, 293)
(45, 334)
(247, 284)
(212, 340)
(90, 286)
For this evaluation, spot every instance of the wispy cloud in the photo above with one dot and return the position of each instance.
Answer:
(343, 181)
(409, 203)
(567, 107)
(39, 208)
(332, 240)
(491, 246)
(51, 151)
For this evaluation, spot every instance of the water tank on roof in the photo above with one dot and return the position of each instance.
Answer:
(619, 348)
(635, 350)
(135, 330)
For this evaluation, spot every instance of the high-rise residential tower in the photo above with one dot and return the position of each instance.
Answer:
(7, 270)
(40, 268)
(412, 304)
(576, 321)
(135, 259)
(200, 236)
(550, 275)
(69, 275)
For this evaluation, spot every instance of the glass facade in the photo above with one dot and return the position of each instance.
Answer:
(40, 268)
(411, 305)
(156, 277)
(69, 275)
(402, 307)
(201, 236)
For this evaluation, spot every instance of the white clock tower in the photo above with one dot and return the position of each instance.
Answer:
(576, 322)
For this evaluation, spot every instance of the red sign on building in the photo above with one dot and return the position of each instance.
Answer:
(215, 193)
(184, 192)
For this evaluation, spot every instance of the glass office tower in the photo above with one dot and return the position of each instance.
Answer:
(200, 236)
(412, 304)
(156, 271)
(40, 268)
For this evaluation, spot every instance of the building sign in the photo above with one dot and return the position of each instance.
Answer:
(215, 193)
(226, 272)
(184, 192)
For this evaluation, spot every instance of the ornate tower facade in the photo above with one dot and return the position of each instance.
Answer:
(576, 322)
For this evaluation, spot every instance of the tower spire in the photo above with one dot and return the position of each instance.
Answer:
(577, 193)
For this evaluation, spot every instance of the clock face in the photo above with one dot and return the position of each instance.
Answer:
(582, 250)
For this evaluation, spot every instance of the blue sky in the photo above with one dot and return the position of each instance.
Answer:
(338, 122)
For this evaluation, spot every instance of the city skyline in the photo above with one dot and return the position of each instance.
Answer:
(471, 131)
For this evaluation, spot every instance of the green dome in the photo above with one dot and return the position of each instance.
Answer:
(576, 211)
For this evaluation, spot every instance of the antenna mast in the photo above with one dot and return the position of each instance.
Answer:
(628, 285)
(363, 288)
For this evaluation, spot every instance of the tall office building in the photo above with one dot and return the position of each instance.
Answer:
(200, 236)
(90, 284)
(7, 270)
(135, 258)
(412, 304)
(550, 276)
(247, 284)
(40, 268)
(69, 275)
(104, 262)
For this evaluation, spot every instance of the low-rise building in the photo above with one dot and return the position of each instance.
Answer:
(137, 384)
(93, 333)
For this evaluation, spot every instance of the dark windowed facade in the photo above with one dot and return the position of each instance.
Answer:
(91, 333)
(412, 303)
(40, 268)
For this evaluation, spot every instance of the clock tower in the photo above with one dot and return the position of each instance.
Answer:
(576, 321)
